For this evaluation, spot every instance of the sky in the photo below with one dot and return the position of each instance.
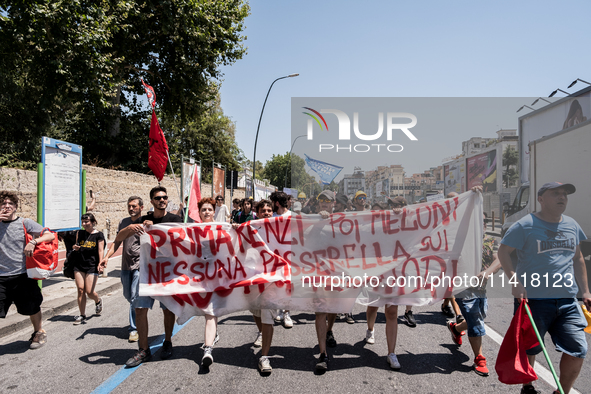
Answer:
(423, 49)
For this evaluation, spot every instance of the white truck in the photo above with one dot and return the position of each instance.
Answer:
(555, 146)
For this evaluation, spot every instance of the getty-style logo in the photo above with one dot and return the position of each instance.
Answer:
(344, 133)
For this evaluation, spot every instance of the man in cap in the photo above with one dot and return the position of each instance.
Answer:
(548, 246)
(359, 200)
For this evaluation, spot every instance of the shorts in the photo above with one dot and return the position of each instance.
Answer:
(84, 272)
(563, 319)
(23, 292)
(267, 315)
(474, 311)
(146, 302)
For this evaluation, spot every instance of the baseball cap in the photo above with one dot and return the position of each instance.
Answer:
(342, 199)
(296, 206)
(360, 193)
(570, 189)
(302, 195)
(327, 194)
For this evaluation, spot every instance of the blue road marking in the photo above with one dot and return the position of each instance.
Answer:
(118, 377)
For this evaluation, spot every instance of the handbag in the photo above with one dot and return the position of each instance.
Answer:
(71, 259)
(43, 263)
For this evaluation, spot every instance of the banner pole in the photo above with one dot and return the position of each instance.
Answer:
(174, 177)
(531, 319)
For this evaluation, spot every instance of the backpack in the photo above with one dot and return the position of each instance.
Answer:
(43, 263)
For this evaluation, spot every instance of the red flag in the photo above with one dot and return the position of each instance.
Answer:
(150, 93)
(195, 196)
(158, 154)
(512, 365)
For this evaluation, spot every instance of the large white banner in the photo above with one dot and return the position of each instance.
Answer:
(306, 263)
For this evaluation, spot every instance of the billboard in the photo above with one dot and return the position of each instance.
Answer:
(482, 170)
(561, 115)
(455, 175)
(62, 184)
(218, 182)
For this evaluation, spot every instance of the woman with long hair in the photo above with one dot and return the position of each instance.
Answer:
(207, 215)
(88, 264)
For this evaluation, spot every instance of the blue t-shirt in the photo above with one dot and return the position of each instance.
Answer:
(545, 251)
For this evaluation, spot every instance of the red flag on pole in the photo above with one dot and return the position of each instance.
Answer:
(195, 197)
(512, 365)
(158, 154)
(150, 93)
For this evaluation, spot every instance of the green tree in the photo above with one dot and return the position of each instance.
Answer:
(71, 69)
(510, 161)
(276, 168)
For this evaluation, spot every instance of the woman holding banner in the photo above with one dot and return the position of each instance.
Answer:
(207, 214)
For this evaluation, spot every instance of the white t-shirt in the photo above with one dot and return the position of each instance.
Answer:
(221, 213)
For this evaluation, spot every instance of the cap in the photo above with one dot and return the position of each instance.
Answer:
(360, 193)
(296, 206)
(327, 194)
(570, 189)
(302, 195)
(341, 198)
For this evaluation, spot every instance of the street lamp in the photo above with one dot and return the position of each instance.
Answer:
(575, 81)
(289, 157)
(525, 106)
(559, 90)
(254, 160)
(541, 98)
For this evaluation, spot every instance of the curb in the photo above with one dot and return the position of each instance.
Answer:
(52, 308)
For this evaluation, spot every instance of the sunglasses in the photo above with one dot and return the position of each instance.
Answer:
(324, 200)
(361, 198)
(219, 199)
(158, 198)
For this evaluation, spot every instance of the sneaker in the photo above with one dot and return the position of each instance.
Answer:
(410, 319)
(393, 361)
(207, 359)
(480, 365)
(279, 317)
(79, 319)
(133, 336)
(447, 311)
(265, 365)
(38, 339)
(287, 322)
(350, 318)
(455, 336)
(459, 319)
(341, 316)
(216, 339)
(138, 358)
(322, 364)
(166, 350)
(98, 309)
(529, 389)
(370, 337)
(330, 341)
(259, 341)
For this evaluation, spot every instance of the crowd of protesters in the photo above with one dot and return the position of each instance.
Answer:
(560, 315)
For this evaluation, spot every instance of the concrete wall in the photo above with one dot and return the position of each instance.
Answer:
(112, 189)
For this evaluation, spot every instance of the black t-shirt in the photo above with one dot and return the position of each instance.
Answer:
(167, 218)
(89, 250)
(69, 238)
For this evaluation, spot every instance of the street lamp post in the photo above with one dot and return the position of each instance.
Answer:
(254, 160)
(289, 157)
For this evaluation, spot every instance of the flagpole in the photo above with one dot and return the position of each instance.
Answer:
(174, 177)
(531, 319)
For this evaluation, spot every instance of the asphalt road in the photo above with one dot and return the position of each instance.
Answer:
(89, 357)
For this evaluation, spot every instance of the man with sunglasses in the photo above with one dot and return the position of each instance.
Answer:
(221, 210)
(159, 200)
(359, 200)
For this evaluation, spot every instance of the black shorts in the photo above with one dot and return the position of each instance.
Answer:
(23, 292)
